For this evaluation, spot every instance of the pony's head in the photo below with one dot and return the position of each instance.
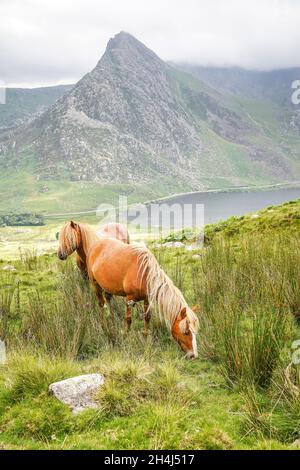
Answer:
(184, 331)
(69, 240)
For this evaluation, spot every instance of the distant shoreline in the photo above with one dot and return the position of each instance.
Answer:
(287, 185)
(290, 184)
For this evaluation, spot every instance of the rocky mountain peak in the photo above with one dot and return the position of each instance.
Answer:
(125, 109)
(123, 40)
(124, 50)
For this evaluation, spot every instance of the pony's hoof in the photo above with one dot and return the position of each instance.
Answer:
(147, 333)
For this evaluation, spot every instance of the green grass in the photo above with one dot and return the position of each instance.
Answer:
(148, 402)
(242, 393)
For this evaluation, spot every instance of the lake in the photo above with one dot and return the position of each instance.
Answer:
(192, 210)
(222, 205)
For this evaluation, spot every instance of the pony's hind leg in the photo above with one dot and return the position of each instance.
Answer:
(128, 319)
(147, 316)
(108, 297)
(128, 314)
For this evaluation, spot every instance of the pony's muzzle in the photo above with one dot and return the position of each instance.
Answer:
(61, 256)
(191, 355)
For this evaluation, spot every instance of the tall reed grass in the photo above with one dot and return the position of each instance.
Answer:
(70, 323)
(275, 415)
(249, 298)
(9, 288)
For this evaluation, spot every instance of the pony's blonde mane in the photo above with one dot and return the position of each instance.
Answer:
(161, 291)
(68, 239)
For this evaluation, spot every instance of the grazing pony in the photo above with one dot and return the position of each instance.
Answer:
(133, 272)
(80, 238)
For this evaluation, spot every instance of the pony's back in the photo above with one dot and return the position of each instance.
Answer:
(114, 230)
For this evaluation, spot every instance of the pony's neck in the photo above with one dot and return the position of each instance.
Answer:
(87, 239)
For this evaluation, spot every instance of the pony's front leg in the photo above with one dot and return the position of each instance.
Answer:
(99, 294)
(147, 316)
(82, 267)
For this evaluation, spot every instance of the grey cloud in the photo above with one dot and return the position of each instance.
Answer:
(55, 41)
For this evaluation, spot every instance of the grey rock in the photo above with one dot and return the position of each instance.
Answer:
(78, 392)
(8, 268)
(296, 443)
(173, 245)
(194, 246)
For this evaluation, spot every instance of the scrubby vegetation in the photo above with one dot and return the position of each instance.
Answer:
(243, 391)
(28, 218)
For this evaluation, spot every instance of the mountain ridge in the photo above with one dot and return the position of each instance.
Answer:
(273, 85)
(24, 103)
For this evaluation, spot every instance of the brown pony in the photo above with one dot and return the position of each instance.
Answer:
(80, 238)
(132, 272)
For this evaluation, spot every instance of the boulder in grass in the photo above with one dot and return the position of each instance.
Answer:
(296, 443)
(78, 392)
(8, 268)
(2, 352)
(173, 245)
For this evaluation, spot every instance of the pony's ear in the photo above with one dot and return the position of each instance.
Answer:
(182, 314)
(73, 225)
(196, 309)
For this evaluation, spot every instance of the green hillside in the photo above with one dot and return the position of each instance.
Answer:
(262, 125)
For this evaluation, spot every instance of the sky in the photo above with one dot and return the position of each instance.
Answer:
(47, 42)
